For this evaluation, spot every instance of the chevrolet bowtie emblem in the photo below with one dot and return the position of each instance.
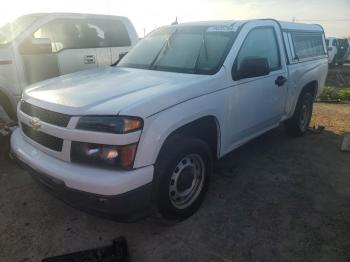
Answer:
(35, 123)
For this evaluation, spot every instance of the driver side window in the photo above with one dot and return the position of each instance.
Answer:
(63, 33)
(261, 43)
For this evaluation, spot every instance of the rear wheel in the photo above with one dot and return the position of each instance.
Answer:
(300, 121)
(182, 177)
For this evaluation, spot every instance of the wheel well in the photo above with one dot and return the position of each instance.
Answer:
(205, 128)
(312, 87)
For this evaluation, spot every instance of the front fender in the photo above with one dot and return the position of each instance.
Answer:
(159, 126)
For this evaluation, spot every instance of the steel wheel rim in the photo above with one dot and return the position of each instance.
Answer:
(304, 117)
(190, 165)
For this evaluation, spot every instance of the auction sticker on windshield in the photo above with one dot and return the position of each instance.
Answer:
(222, 28)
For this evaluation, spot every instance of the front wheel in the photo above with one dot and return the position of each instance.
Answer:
(182, 176)
(299, 123)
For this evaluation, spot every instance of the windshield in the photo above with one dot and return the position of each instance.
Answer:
(185, 49)
(10, 31)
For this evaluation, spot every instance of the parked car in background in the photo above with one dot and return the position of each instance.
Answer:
(145, 132)
(36, 47)
(347, 59)
(332, 43)
(343, 51)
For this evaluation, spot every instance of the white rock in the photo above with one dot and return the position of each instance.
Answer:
(346, 143)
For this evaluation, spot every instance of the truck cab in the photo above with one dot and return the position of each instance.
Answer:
(36, 47)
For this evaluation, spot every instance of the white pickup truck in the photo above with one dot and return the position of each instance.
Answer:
(145, 133)
(36, 47)
(332, 44)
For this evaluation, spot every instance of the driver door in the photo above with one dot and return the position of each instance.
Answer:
(39, 60)
(257, 103)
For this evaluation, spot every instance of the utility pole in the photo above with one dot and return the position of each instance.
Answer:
(175, 22)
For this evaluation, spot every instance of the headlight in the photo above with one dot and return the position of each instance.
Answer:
(106, 155)
(110, 124)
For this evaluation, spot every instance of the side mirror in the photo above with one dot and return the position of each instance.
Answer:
(251, 67)
(42, 45)
(329, 48)
(37, 46)
(2, 37)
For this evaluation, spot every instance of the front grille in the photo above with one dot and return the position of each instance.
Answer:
(44, 139)
(44, 115)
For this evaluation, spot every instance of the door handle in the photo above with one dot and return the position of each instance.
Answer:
(280, 80)
(89, 59)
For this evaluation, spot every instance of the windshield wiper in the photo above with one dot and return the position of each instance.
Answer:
(121, 55)
(164, 49)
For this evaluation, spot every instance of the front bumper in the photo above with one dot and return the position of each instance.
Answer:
(124, 195)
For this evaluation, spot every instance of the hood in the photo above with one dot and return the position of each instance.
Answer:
(113, 90)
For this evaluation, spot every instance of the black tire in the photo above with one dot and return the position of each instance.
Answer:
(7, 106)
(299, 123)
(177, 149)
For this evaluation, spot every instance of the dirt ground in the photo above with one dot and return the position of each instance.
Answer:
(335, 117)
(276, 198)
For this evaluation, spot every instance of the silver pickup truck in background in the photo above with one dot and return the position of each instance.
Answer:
(36, 47)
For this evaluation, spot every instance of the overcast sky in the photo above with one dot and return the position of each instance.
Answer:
(333, 15)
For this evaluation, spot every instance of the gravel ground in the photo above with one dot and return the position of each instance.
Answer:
(275, 199)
